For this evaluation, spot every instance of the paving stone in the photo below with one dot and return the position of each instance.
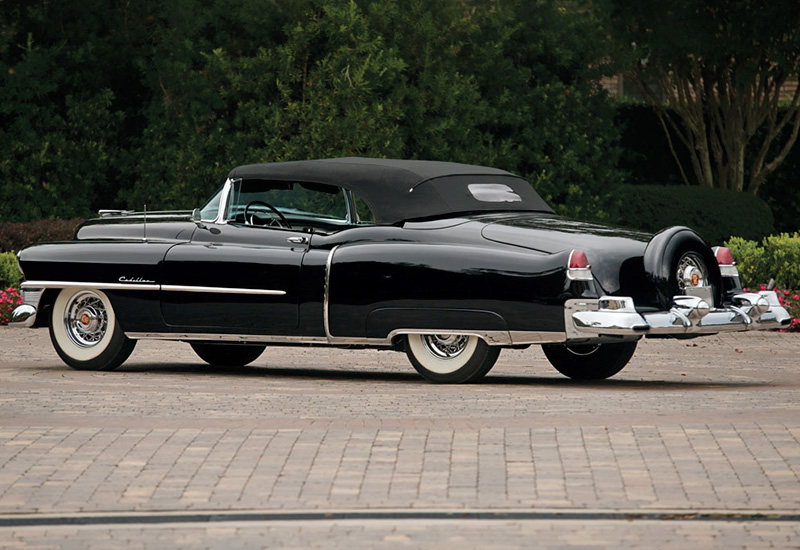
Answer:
(682, 427)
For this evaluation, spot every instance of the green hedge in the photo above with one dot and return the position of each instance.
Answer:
(18, 235)
(775, 257)
(647, 160)
(9, 273)
(716, 214)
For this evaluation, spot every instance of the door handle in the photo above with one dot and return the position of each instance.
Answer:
(297, 240)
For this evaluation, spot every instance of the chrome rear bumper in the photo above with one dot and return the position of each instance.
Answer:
(689, 315)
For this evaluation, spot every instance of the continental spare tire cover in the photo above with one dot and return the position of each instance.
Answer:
(661, 258)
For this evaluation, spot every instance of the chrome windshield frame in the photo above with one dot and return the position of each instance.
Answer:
(223, 202)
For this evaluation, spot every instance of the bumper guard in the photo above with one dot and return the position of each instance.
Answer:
(618, 316)
(24, 316)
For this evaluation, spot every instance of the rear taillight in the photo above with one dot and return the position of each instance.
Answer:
(727, 267)
(578, 268)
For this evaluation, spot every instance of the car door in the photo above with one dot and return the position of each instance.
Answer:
(234, 277)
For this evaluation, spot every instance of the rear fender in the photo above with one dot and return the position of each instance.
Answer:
(375, 288)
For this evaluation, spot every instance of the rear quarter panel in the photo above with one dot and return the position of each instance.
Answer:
(377, 287)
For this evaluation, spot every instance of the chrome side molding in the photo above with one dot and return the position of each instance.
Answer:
(222, 290)
(135, 285)
(492, 338)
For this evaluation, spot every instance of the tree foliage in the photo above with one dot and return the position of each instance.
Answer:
(109, 104)
(720, 66)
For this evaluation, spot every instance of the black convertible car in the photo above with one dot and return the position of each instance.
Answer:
(448, 262)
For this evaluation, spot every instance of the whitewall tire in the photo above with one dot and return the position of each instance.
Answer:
(450, 358)
(85, 332)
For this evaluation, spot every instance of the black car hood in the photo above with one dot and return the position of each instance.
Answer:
(614, 253)
(177, 226)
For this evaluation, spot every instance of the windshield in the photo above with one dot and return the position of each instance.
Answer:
(292, 199)
(209, 211)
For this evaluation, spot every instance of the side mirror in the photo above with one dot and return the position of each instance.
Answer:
(196, 219)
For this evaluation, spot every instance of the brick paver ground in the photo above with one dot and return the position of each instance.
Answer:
(443, 535)
(711, 424)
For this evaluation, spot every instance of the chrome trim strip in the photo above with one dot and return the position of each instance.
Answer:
(326, 295)
(493, 338)
(81, 284)
(213, 337)
(519, 337)
(153, 287)
(222, 290)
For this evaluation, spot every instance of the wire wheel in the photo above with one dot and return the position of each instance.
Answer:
(445, 346)
(86, 319)
(85, 332)
(691, 272)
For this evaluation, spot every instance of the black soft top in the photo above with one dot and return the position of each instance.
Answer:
(399, 190)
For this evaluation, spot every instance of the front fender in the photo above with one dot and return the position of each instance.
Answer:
(128, 271)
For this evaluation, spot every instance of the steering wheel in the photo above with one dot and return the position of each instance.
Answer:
(276, 219)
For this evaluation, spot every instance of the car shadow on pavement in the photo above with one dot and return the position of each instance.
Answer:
(344, 375)
(626, 383)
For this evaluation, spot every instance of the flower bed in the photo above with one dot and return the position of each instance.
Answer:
(790, 300)
(9, 299)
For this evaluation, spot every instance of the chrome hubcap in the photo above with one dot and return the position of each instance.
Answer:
(86, 319)
(583, 350)
(445, 346)
(692, 272)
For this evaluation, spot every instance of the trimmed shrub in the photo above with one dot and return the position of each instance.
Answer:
(716, 214)
(647, 160)
(776, 257)
(750, 261)
(9, 273)
(18, 235)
